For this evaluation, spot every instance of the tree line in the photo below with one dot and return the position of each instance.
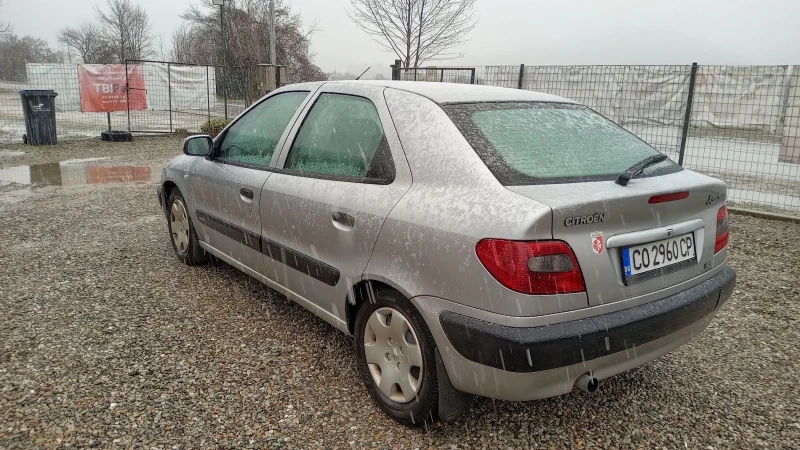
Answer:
(121, 30)
(416, 31)
(16, 51)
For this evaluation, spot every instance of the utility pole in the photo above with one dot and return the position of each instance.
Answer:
(222, 68)
(272, 56)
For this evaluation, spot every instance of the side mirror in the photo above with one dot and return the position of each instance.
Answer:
(199, 145)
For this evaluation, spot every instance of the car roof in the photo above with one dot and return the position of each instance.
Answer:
(461, 93)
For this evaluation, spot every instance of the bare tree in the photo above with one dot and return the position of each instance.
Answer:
(160, 50)
(126, 29)
(246, 38)
(88, 42)
(185, 48)
(5, 27)
(415, 30)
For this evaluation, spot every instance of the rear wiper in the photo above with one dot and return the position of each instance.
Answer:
(638, 168)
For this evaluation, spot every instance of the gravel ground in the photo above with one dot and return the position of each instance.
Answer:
(108, 341)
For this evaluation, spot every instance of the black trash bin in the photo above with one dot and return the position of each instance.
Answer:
(39, 106)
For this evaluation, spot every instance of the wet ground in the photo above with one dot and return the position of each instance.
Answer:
(73, 172)
(107, 341)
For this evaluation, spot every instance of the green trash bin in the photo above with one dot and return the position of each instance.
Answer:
(39, 106)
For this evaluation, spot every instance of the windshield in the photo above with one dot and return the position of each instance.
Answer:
(538, 142)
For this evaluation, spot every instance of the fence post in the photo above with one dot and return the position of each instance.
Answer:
(688, 117)
(441, 76)
(396, 70)
(169, 94)
(472, 76)
(247, 86)
(224, 74)
(208, 94)
(127, 96)
(521, 74)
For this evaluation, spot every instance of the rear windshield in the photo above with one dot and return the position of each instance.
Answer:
(539, 142)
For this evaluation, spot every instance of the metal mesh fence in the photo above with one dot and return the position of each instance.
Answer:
(740, 129)
(62, 78)
(176, 97)
(736, 123)
(182, 97)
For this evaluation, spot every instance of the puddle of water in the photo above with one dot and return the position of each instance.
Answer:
(76, 172)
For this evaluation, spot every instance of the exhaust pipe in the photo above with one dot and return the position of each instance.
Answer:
(587, 383)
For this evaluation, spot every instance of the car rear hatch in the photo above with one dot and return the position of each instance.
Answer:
(600, 220)
(656, 232)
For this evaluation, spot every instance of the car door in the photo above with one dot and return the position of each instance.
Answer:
(340, 174)
(226, 187)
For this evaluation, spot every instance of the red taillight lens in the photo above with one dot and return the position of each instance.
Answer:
(532, 267)
(669, 197)
(722, 229)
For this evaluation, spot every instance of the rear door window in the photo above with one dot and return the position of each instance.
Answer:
(251, 141)
(540, 142)
(342, 138)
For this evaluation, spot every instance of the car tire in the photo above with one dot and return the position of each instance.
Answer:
(182, 233)
(418, 405)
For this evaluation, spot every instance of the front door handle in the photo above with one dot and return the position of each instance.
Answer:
(246, 193)
(344, 219)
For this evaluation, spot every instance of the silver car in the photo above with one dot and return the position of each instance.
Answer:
(474, 240)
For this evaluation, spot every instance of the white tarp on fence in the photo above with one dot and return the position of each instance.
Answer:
(189, 87)
(724, 96)
(740, 96)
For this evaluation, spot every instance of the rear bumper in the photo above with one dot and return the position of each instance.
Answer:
(522, 363)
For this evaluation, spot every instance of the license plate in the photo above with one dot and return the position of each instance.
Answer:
(659, 257)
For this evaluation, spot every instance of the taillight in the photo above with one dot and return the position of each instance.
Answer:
(532, 267)
(722, 229)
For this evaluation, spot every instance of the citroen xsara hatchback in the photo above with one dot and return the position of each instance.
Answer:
(474, 240)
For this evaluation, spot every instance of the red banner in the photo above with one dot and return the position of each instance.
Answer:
(103, 88)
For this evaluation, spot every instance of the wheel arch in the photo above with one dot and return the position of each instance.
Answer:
(362, 292)
(166, 190)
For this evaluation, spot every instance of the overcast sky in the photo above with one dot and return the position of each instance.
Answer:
(517, 31)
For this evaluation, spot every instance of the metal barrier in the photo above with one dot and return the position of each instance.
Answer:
(70, 121)
(737, 123)
(189, 95)
(177, 97)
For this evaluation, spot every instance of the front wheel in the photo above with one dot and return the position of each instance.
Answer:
(181, 231)
(396, 357)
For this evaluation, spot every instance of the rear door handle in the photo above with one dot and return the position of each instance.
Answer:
(344, 219)
(246, 193)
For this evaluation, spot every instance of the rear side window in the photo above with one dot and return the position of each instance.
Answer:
(539, 142)
(342, 138)
(253, 138)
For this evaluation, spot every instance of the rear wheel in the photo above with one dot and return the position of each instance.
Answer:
(181, 231)
(396, 358)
